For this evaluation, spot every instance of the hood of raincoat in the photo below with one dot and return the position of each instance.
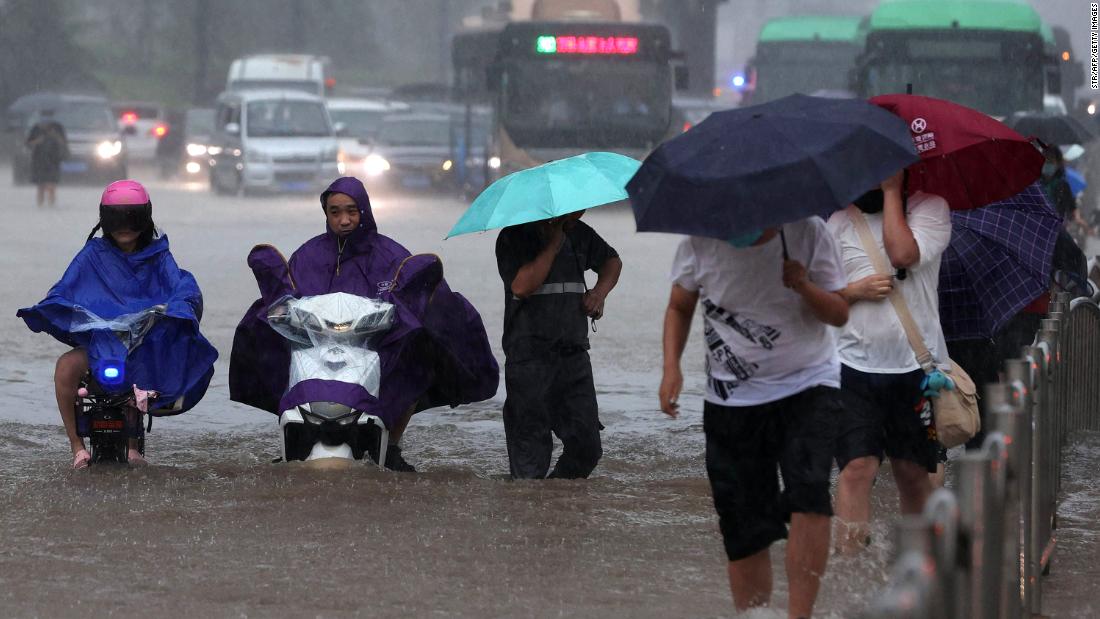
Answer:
(103, 282)
(353, 188)
(361, 263)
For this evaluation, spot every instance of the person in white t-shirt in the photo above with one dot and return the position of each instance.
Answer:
(772, 394)
(885, 408)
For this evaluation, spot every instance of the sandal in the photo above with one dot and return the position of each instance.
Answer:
(82, 459)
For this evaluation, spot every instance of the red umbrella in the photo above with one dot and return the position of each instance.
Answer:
(965, 156)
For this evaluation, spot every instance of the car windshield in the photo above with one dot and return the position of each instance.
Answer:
(285, 118)
(415, 132)
(358, 123)
(313, 88)
(563, 103)
(200, 122)
(85, 117)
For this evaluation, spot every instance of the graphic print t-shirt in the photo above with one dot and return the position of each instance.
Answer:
(762, 341)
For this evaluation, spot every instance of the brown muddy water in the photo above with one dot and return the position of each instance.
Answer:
(213, 528)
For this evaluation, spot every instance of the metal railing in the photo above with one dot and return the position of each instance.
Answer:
(980, 551)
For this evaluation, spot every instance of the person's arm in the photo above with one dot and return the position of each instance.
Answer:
(605, 283)
(829, 307)
(532, 275)
(871, 288)
(901, 246)
(681, 309)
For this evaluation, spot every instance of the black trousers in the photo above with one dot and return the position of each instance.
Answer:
(551, 396)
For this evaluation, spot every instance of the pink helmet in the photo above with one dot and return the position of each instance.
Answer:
(124, 193)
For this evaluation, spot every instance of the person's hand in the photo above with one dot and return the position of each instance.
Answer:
(554, 231)
(794, 275)
(593, 304)
(893, 183)
(872, 288)
(671, 383)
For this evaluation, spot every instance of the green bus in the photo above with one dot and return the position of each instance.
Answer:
(996, 56)
(804, 54)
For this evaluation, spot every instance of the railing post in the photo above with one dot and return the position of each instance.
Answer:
(1005, 421)
(974, 504)
(1020, 376)
(1039, 359)
(941, 515)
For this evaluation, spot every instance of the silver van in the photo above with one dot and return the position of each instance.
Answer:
(272, 141)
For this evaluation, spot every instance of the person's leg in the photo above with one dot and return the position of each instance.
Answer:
(741, 459)
(751, 581)
(574, 416)
(41, 193)
(914, 485)
(394, 460)
(51, 193)
(853, 503)
(527, 418)
(858, 456)
(807, 555)
(71, 367)
(809, 424)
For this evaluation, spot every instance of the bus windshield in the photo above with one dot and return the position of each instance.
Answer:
(992, 86)
(784, 69)
(590, 101)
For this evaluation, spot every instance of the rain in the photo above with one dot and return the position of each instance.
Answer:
(235, 115)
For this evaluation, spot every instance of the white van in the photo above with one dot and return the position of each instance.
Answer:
(281, 72)
(272, 140)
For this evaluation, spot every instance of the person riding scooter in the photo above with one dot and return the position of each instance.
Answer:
(435, 353)
(125, 274)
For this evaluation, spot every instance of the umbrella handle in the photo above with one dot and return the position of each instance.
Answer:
(783, 239)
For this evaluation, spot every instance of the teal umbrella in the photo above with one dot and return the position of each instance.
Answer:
(549, 190)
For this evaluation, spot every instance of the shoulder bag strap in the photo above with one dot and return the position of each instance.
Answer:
(878, 260)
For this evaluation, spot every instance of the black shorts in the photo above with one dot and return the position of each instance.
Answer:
(745, 444)
(885, 413)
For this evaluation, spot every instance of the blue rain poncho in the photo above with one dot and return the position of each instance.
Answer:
(101, 289)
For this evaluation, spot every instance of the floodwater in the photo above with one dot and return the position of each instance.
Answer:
(213, 527)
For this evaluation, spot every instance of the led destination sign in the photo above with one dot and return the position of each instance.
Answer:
(586, 45)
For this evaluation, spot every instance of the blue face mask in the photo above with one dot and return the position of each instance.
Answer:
(742, 241)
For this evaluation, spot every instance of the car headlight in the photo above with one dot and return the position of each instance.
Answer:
(256, 156)
(196, 150)
(214, 150)
(375, 165)
(108, 149)
(447, 165)
(494, 163)
(193, 167)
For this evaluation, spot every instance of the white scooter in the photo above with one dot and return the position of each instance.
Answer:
(331, 337)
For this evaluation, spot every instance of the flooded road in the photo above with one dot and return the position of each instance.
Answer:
(213, 527)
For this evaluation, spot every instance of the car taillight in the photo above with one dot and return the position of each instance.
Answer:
(129, 118)
(160, 131)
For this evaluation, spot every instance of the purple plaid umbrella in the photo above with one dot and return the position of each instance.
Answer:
(998, 261)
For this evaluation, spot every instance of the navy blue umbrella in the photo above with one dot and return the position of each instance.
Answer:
(998, 261)
(761, 166)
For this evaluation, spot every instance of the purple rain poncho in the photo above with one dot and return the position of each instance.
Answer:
(436, 354)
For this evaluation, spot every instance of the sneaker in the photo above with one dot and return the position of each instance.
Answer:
(395, 462)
